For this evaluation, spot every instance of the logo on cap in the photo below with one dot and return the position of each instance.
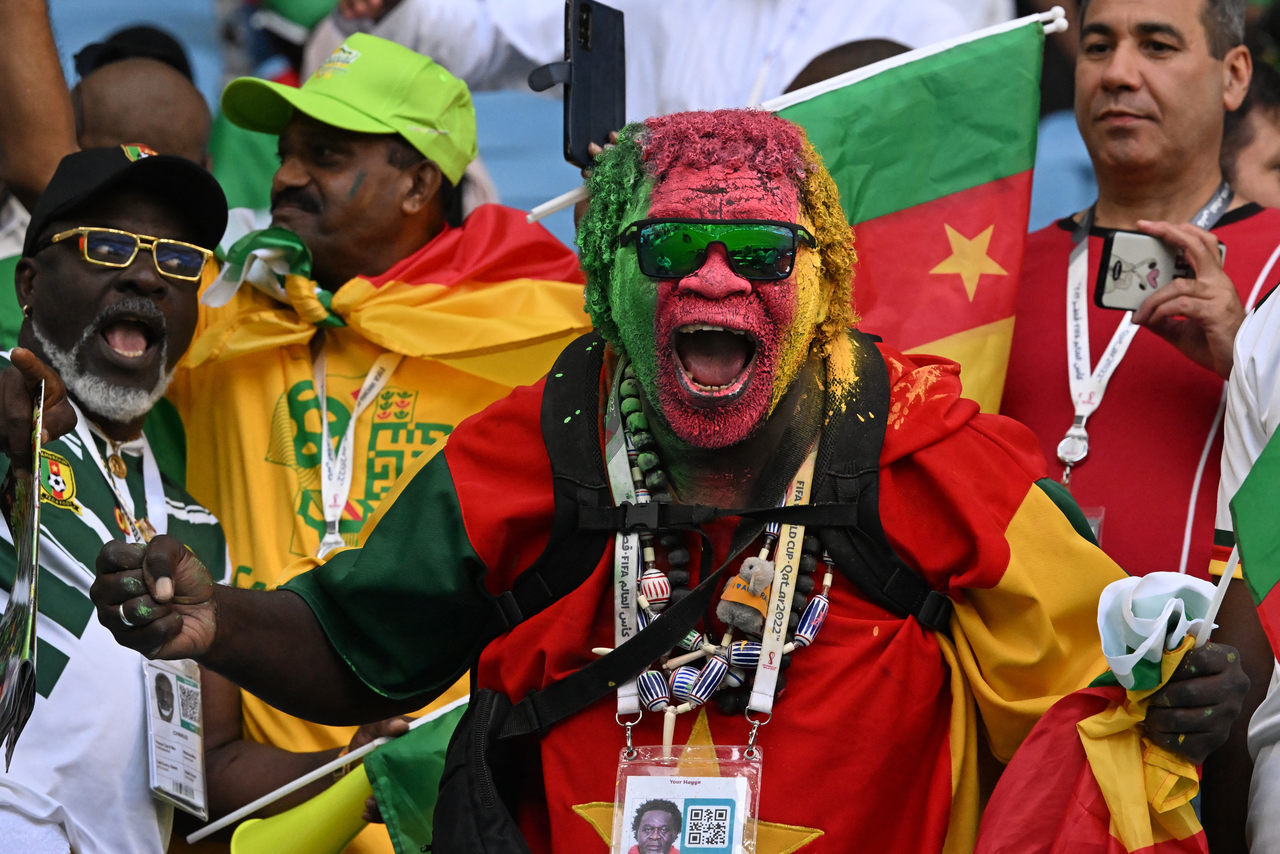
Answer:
(136, 151)
(338, 62)
(424, 129)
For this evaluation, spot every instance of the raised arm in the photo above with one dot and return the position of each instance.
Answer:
(160, 600)
(39, 129)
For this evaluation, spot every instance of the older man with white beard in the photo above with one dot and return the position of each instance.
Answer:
(112, 260)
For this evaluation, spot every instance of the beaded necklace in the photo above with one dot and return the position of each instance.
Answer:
(698, 669)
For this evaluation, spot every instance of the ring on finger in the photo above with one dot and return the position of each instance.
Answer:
(125, 619)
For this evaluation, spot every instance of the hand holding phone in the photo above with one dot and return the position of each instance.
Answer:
(594, 78)
(1200, 312)
(1133, 266)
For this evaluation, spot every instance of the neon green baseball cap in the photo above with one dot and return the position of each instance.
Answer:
(370, 85)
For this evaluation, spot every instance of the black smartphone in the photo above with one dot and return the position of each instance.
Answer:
(593, 74)
(1133, 265)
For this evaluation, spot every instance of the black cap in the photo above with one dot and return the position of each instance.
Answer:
(138, 42)
(95, 173)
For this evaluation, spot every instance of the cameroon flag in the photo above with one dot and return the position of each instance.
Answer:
(1087, 780)
(1253, 514)
(932, 152)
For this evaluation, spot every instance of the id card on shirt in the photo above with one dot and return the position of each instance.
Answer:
(687, 800)
(175, 734)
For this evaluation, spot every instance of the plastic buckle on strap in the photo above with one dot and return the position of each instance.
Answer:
(935, 612)
(639, 515)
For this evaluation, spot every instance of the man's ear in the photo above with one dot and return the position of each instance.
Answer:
(1237, 70)
(424, 187)
(24, 281)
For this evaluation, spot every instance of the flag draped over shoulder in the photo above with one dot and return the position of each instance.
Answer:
(932, 152)
(1253, 510)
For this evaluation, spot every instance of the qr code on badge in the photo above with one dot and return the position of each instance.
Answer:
(708, 826)
(189, 703)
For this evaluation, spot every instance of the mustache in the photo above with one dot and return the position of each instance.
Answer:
(132, 307)
(297, 198)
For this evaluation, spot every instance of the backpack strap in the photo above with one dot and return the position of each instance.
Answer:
(849, 474)
(570, 429)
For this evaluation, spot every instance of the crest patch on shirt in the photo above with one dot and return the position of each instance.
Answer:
(58, 481)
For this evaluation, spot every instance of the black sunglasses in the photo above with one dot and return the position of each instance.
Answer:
(762, 250)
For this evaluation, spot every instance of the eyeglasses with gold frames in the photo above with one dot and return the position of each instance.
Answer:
(111, 247)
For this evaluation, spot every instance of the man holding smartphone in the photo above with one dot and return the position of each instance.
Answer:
(1129, 423)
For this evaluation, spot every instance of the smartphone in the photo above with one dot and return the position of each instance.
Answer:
(594, 77)
(1134, 265)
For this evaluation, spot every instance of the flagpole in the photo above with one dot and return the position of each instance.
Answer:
(1219, 593)
(1053, 21)
(310, 777)
(559, 203)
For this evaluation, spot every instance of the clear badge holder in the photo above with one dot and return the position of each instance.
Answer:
(695, 799)
(175, 735)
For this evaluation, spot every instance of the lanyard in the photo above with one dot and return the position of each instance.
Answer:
(627, 561)
(336, 463)
(786, 564)
(156, 516)
(626, 545)
(1089, 385)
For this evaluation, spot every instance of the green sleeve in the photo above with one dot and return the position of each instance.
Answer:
(407, 611)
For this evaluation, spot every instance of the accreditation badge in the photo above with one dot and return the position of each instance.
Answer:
(175, 734)
(695, 799)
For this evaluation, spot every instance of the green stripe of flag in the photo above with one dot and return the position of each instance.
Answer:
(405, 775)
(1254, 511)
(929, 127)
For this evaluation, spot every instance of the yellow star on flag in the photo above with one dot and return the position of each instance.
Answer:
(771, 838)
(969, 258)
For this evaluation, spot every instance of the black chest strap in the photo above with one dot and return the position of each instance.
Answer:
(844, 514)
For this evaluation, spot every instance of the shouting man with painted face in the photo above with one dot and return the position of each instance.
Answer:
(565, 544)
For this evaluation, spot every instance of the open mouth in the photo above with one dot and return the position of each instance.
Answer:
(715, 362)
(129, 337)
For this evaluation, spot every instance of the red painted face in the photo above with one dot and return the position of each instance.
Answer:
(720, 339)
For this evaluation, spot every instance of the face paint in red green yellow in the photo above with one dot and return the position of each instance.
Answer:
(714, 351)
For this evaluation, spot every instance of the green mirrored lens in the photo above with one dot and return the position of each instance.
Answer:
(673, 250)
(759, 251)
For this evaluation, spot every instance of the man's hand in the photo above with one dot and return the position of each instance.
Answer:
(1199, 316)
(157, 598)
(1193, 713)
(388, 728)
(18, 385)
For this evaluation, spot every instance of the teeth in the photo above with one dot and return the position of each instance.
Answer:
(707, 327)
(129, 353)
